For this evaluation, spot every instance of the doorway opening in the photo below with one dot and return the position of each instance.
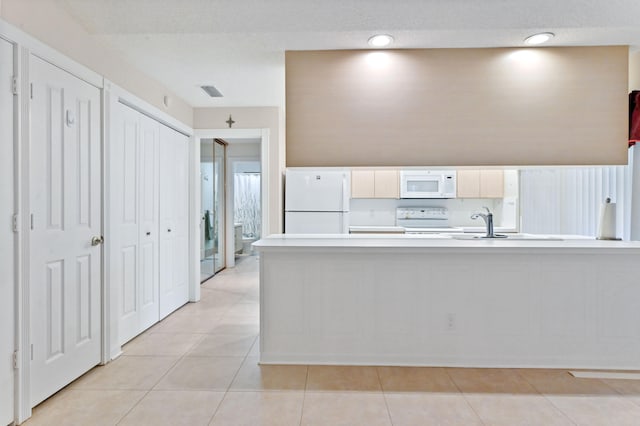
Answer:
(245, 149)
(213, 159)
(245, 180)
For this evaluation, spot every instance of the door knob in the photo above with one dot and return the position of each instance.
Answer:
(96, 241)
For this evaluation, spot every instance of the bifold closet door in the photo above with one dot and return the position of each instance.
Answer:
(149, 193)
(7, 258)
(174, 220)
(149, 222)
(65, 263)
(133, 189)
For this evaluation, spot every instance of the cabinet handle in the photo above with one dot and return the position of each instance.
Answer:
(148, 233)
(168, 230)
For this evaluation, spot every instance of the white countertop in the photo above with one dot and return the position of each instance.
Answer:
(438, 241)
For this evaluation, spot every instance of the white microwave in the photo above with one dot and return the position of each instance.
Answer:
(427, 184)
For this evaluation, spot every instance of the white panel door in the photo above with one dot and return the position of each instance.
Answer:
(174, 220)
(124, 195)
(7, 284)
(65, 199)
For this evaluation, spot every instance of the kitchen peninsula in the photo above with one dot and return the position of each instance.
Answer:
(449, 301)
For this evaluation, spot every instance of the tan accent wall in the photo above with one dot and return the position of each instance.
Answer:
(634, 70)
(49, 23)
(271, 118)
(457, 107)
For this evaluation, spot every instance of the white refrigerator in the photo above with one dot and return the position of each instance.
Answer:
(317, 201)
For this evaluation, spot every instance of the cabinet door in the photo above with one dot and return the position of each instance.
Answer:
(386, 184)
(491, 183)
(468, 182)
(362, 184)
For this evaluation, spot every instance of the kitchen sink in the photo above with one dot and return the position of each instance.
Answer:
(529, 237)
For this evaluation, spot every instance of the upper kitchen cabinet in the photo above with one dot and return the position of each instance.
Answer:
(457, 107)
(480, 184)
(491, 183)
(375, 184)
(468, 184)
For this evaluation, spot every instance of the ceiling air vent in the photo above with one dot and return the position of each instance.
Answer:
(212, 91)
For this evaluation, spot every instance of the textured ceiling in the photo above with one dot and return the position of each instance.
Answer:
(238, 45)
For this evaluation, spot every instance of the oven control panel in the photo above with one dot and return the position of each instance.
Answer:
(421, 213)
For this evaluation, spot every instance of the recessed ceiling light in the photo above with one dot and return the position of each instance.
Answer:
(380, 40)
(212, 91)
(538, 38)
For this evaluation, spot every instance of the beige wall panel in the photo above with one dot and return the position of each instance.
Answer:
(450, 107)
(634, 71)
(255, 118)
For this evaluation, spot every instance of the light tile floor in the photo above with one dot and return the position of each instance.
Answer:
(200, 367)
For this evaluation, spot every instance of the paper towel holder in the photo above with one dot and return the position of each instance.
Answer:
(607, 209)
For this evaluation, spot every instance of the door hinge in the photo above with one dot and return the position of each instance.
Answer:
(32, 352)
(31, 90)
(31, 220)
(14, 86)
(15, 360)
(15, 223)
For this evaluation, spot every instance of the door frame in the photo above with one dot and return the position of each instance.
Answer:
(17, 243)
(198, 135)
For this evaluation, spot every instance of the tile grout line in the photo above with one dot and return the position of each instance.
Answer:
(565, 415)
(148, 390)
(464, 396)
(304, 395)
(132, 408)
(384, 396)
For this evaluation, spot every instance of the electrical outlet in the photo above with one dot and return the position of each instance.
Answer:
(450, 322)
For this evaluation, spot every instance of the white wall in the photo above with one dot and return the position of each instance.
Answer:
(250, 150)
(271, 118)
(47, 21)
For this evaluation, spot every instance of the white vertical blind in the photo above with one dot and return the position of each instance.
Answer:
(568, 200)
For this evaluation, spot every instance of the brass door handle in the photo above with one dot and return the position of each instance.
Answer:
(96, 241)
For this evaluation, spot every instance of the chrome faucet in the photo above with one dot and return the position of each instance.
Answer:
(488, 220)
